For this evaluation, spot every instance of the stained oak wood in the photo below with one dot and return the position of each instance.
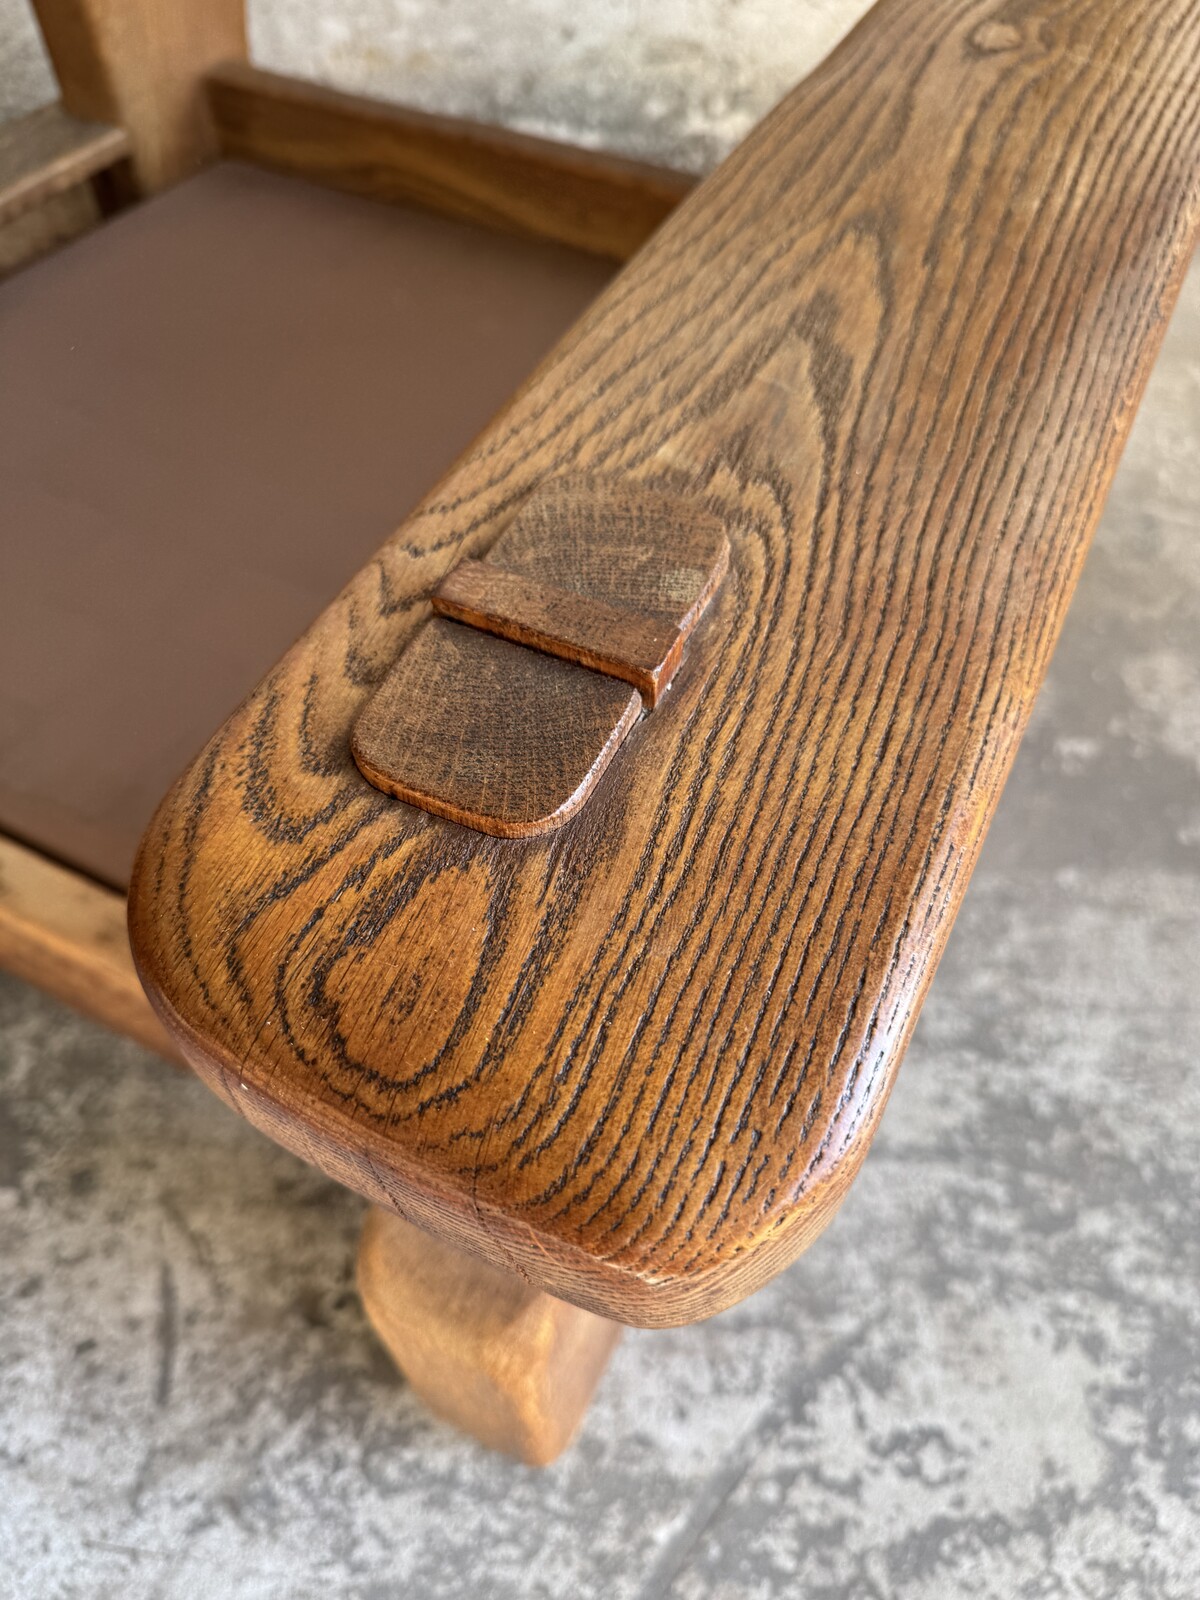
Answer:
(598, 572)
(50, 151)
(612, 539)
(489, 734)
(895, 344)
(66, 934)
(511, 734)
(630, 645)
(589, 199)
(140, 64)
(506, 1362)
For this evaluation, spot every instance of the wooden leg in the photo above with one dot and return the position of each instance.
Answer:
(505, 1362)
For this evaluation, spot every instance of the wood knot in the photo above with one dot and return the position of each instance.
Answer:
(991, 38)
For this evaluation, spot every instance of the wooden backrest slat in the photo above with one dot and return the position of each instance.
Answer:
(139, 65)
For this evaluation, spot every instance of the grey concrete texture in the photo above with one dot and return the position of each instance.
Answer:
(26, 78)
(676, 81)
(983, 1381)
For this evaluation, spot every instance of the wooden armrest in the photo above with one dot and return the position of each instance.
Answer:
(894, 344)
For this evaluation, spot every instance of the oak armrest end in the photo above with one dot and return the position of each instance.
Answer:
(893, 345)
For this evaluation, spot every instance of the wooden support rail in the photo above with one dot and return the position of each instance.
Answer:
(594, 201)
(49, 151)
(66, 934)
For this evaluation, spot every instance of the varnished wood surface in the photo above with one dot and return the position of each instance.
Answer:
(67, 935)
(895, 344)
(630, 645)
(139, 64)
(49, 151)
(490, 735)
(589, 199)
(591, 589)
(621, 644)
(596, 572)
(505, 1362)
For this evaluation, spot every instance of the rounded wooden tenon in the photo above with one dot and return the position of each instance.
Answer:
(507, 722)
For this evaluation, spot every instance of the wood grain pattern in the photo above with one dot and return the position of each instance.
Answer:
(510, 1365)
(66, 934)
(505, 739)
(485, 733)
(895, 344)
(641, 650)
(597, 572)
(611, 539)
(589, 199)
(49, 151)
(139, 64)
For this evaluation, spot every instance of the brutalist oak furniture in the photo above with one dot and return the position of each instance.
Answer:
(570, 886)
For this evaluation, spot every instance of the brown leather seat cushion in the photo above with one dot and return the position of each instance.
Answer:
(212, 410)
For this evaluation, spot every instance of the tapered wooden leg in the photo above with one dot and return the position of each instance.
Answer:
(507, 1363)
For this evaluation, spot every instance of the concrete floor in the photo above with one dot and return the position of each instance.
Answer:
(677, 81)
(983, 1381)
